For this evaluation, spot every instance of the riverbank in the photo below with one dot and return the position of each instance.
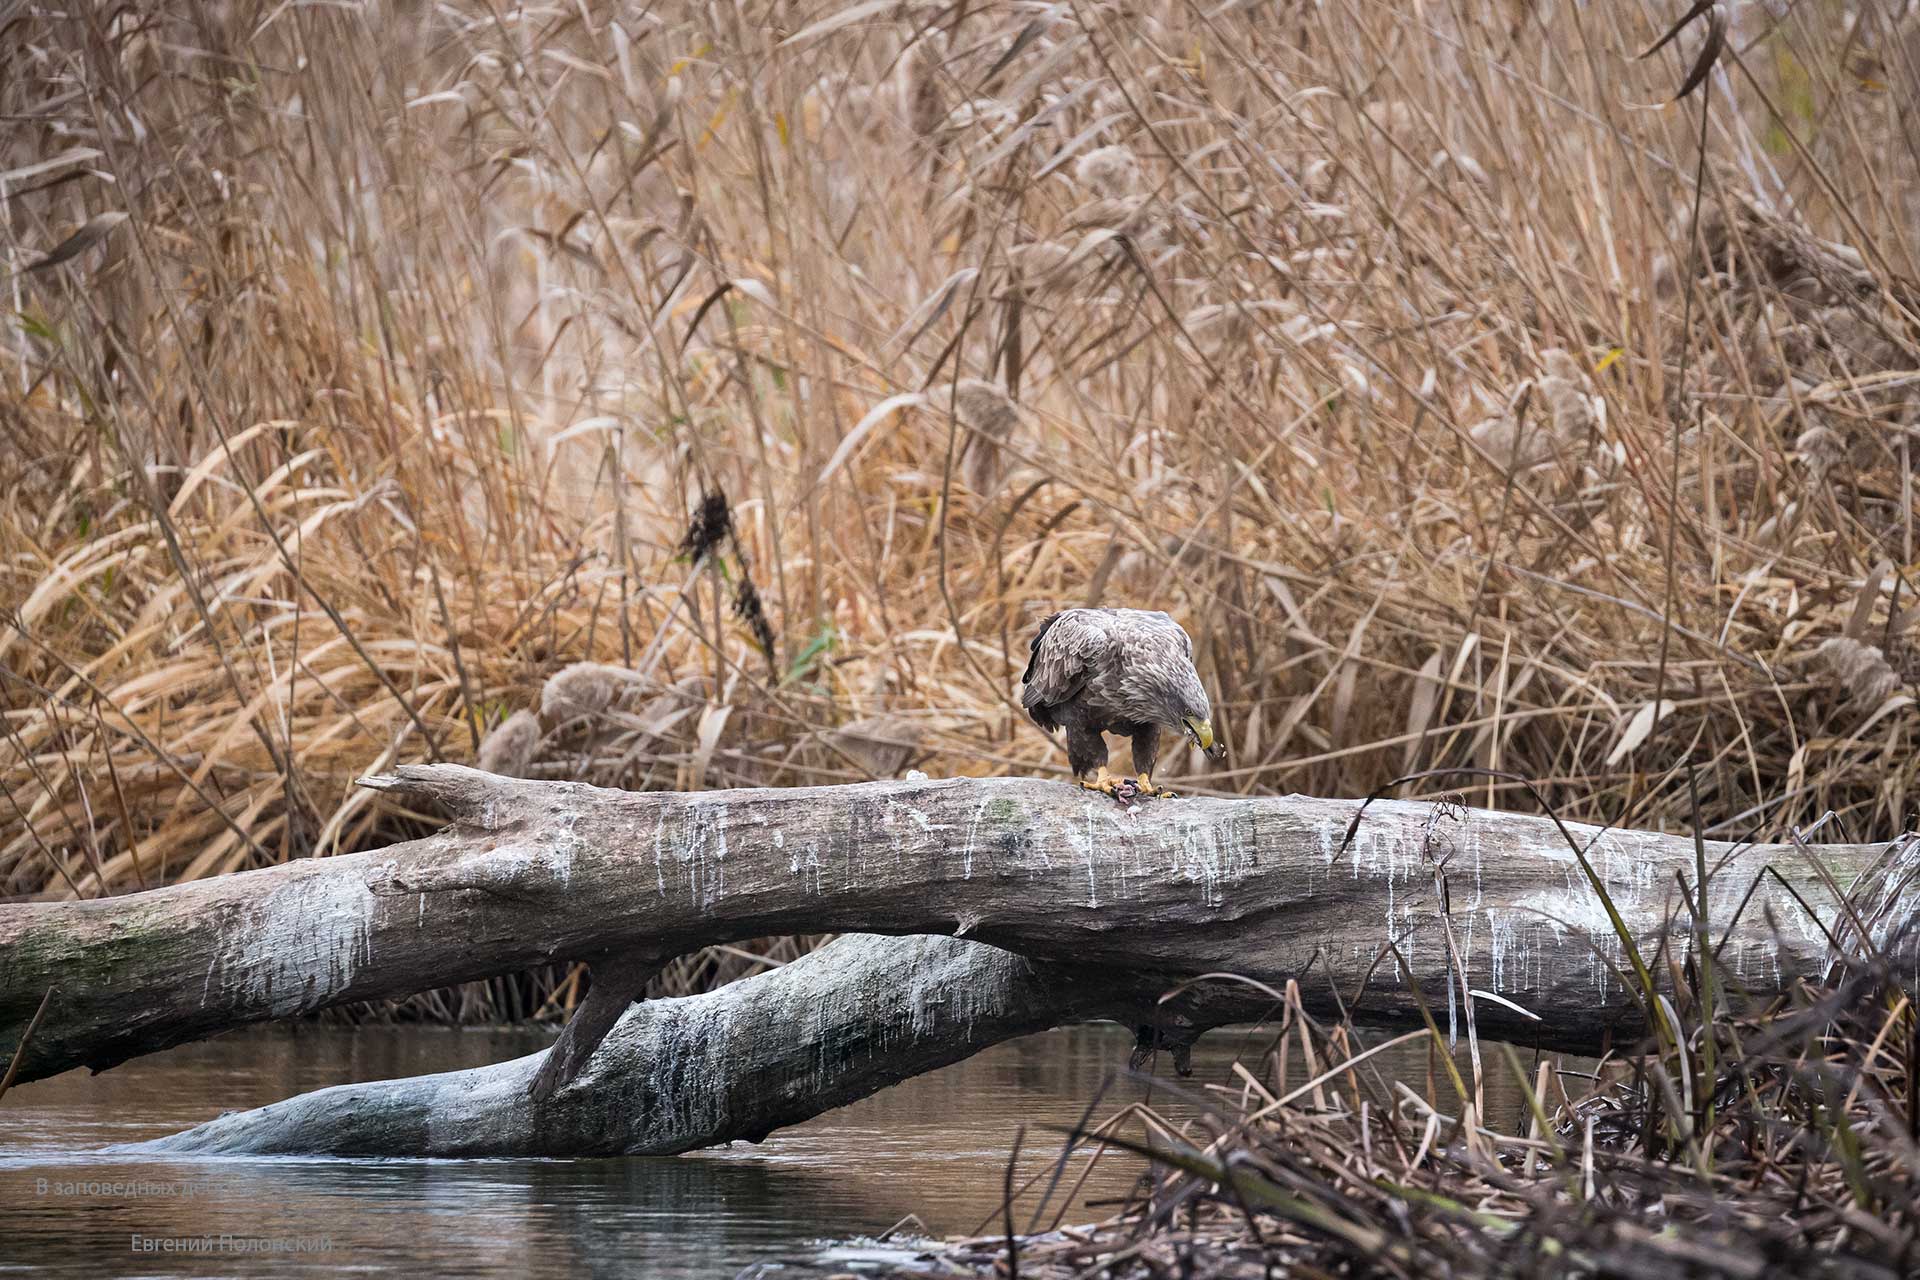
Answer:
(1775, 1144)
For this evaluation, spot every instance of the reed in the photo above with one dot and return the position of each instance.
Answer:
(1749, 1137)
(367, 369)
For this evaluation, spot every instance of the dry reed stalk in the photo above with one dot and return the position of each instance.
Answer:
(1779, 1144)
(423, 332)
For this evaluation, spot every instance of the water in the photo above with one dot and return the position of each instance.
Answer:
(936, 1146)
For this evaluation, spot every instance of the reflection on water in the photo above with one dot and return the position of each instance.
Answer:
(935, 1146)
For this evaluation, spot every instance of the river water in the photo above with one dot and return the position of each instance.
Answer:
(936, 1146)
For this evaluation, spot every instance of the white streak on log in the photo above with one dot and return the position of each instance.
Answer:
(300, 945)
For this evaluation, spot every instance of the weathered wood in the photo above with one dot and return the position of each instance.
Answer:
(530, 872)
(847, 1020)
(617, 982)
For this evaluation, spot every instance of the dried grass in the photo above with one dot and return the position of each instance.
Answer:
(1794, 1160)
(425, 332)
(1757, 1133)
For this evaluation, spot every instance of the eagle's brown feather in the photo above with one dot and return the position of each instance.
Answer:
(1066, 652)
(1124, 671)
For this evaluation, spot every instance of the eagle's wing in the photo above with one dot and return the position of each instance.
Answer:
(1163, 623)
(1065, 652)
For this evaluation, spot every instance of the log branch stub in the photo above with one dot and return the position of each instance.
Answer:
(615, 983)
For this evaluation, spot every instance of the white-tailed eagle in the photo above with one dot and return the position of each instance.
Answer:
(1122, 671)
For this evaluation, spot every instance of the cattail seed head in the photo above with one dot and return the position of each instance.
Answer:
(1858, 668)
(1820, 449)
(1516, 443)
(926, 104)
(990, 416)
(1110, 172)
(1046, 266)
(1217, 327)
(583, 689)
(986, 408)
(1568, 394)
(509, 749)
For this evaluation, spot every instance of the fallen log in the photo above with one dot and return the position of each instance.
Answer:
(1270, 888)
(676, 1075)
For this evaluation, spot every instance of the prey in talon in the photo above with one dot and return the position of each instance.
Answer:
(1122, 671)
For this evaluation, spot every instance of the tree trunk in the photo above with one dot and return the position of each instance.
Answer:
(859, 1014)
(1267, 889)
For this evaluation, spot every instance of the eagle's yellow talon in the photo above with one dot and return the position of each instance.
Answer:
(1104, 783)
(1144, 785)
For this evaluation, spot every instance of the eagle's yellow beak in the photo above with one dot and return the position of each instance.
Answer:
(1202, 733)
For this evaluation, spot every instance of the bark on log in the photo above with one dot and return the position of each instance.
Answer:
(530, 872)
(675, 1075)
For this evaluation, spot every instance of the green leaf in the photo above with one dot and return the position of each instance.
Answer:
(35, 327)
(822, 642)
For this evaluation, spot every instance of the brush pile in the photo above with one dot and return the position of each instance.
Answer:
(678, 397)
(1775, 1143)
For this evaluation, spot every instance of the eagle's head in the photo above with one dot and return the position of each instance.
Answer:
(1184, 708)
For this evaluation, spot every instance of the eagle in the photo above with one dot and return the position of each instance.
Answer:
(1122, 671)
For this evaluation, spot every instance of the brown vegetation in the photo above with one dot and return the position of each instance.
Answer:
(366, 371)
(1750, 1134)
(1791, 1158)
